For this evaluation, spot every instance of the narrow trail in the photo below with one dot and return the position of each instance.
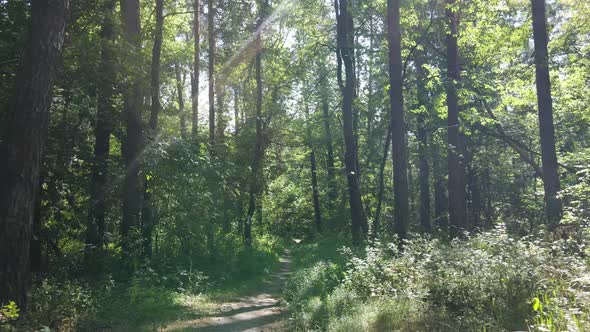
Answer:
(256, 312)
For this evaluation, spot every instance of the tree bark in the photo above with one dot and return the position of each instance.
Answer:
(399, 147)
(346, 50)
(211, 28)
(23, 145)
(134, 141)
(422, 136)
(105, 117)
(258, 149)
(196, 71)
(180, 90)
(314, 177)
(332, 190)
(457, 197)
(377, 220)
(551, 185)
(148, 215)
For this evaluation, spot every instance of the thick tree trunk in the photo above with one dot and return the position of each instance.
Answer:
(422, 136)
(134, 141)
(180, 90)
(399, 146)
(148, 218)
(22, 147)
(211, 31)
(346, 51)
(105, 118)
(457, 204)
(553, 204)
(195, 73)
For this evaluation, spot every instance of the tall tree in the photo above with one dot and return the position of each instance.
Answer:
(332, 190)
(399, 146)
(553, 205)
(456, 166)
(211, 31)
(23, 144)
(196, 71)
(314, 177)
(422, 136)
(105, 117)
(258, 149)
(179, 75)
(134, 129)
(345, 50)
(148, 209)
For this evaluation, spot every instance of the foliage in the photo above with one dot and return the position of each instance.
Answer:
(491, 281)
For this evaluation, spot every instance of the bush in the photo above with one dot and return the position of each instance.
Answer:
(490, 281)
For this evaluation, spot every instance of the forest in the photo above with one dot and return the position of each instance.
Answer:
(295, 165)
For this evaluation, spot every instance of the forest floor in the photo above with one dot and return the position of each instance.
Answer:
(258, 310)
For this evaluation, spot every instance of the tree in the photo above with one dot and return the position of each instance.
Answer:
(23, 144)
(258, 148)
(196, 71)
(422, 136)
(147, 213)
(456, 166)
(211, 30)
(133, 143)
(345, 50)
(105, 118)
(179, 88)
(398, 126)
(553, 205)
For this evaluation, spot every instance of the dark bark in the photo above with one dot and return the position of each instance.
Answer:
(23, 145)
(148, 217)
(441, 200)
(236, 111)
(211, 37)
(195, 73)
(332, 190)
(422, 136)
(134, 129)
(377, 220)
(475, 203)
(456, 165)
(399, 147)
(180, 91)
(105, 122)
(346, 51)
(258, 149)
(314, 177)
(551, 186)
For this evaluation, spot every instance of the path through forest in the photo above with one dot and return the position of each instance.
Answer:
(258, 311)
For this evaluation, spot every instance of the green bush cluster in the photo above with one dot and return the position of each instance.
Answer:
(490, 281)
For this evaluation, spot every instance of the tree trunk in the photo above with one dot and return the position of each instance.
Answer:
(134, 141)
(258, 153)
(236, 112)
(211, 28)
(457, 204)
(314, 177)
(23, 145)
(345, 30)
(180, 89)
(105, 117)
(551, 186)
(195, 78)
(148, 219)
(422, 136)
(399, 146)
(441, 200)
(377, 221)
(332, 190)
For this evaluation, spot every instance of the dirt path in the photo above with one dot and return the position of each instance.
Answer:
(259, 311)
